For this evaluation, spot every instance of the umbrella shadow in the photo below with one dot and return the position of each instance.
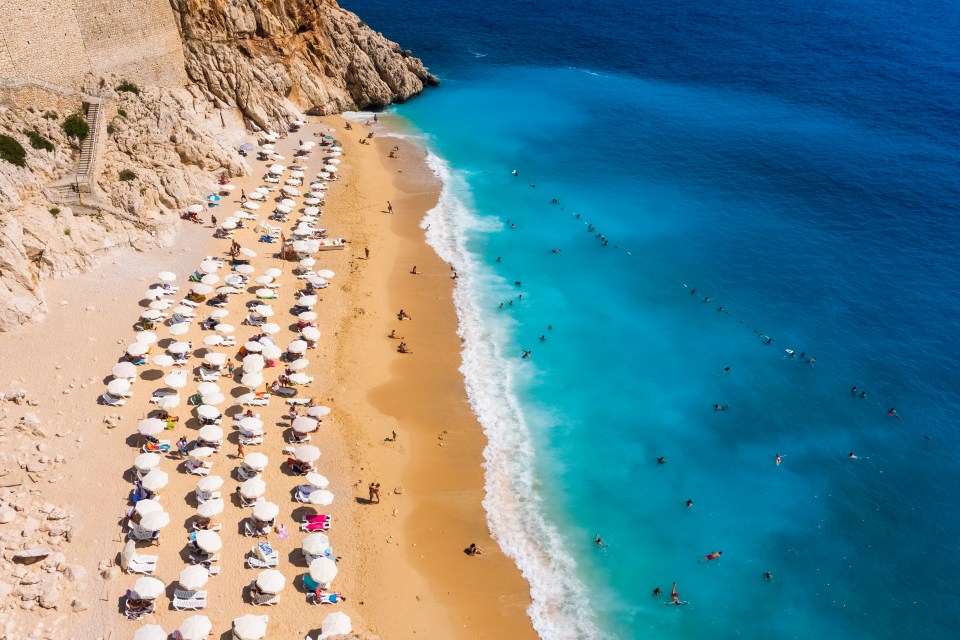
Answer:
(152, 375)
(302, 512)
(297, 559)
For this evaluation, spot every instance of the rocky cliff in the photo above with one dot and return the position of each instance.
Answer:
(269, 58)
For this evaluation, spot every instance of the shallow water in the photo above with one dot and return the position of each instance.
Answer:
(795, 163)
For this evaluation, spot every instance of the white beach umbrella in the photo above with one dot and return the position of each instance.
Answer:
(315, 544)
(296, 174)
(250, 253)
(252, 206)
(306, 263)
(179, 328)
(210, 278)
(195, 208)
(251, 423)
(311, 211)
(163, 360)
(160, 305)
(254, 362)
(256, 195)
(271, 581)
(200, 453)
(210, 483)
(312, 201)
(216, 359)
(118, 386)
(253, 347)
(273, 272)
(209, 541)
(171, 401)
(252, 488)
(229, 224)
(196, 627)
(330, 168)
(264, 280)
(184, 310)
(245, 269)
(252, 430)
(143, 507)
(146, 337)
(179, 347)
(205, 388)
(270, 328)
(264, 310)
(308, 316)
(193, 577)
(307, 301)
(290, 191)
(151, 314)
(224, 329)
(151, 426)
(211, 508)
(272, 352)
(252, 380)
(297, 346)
(155, 480)
(300, 378)
(333, 160)
(256, 461)
(167, 276)
(321, 498)
(155, 521)
(213, 398)
(317, 481)
(212, 341)
(137, 349)
(318, 411)
(276, 169)
(148, 587)
(335, 624)
(210, 433)
(202, 289)
(323, 175)
(307, 453)
(282, 208)
(266, 293)
(303, 424)
(311, 333)
(209, 266)
(323, 570)
(266, 511)
(299, 365)
(176, 379)
(227, 187)
(146, 461)
(250, 627)
(325, 273)
(150, 632)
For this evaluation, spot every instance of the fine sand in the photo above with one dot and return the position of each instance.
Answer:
(403, 568)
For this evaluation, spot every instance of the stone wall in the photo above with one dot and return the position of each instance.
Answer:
(61, 41)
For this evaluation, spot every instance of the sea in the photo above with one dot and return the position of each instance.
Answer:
(705, 223)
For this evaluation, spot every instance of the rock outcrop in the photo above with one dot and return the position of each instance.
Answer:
(270, 58)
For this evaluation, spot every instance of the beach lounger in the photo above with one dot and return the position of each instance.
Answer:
(316, 523)
(208, 375)
(207, 560)
(297, 439)
(323, 598)
(251, 532)
(250, 440)
(190, 303)
(136, 533)
(204, 496)
(135, 608)
(259, 559)
(184, 600)
(245, 473)
(113, 401)
(266, 598)
(229, 341)
(140, 564)
(255, 321)
(197, 469)
(303, 493)
(300, 401)
(246, 503)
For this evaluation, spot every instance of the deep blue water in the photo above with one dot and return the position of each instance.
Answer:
(798, 164)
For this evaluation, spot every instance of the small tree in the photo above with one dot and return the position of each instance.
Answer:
(37, 141)
(127, 175)
(12, 151)
(76, 126)
(129, 87)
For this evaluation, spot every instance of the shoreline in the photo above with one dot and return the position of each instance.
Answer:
(403, 567)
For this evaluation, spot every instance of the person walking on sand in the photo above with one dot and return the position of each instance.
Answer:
(376, 491)
(370, 493)
(240, 451)
(366, 253)
(389, 207)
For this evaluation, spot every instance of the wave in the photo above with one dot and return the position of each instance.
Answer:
(560, 608)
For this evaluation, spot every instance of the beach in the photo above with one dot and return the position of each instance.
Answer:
(402, 564)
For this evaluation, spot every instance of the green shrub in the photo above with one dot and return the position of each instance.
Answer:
(127, 175)
(37, 141)
(54, 211)
(51, 115)
(121, 113)
(128, 86)
(12, 151)
(76, 126)
(66, 232)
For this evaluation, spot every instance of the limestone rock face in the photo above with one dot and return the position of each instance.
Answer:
(270, 58)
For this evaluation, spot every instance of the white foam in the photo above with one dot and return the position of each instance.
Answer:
(560, 608)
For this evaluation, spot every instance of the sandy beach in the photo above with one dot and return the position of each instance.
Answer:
(402, 564)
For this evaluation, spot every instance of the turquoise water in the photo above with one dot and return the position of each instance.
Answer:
(796, 164)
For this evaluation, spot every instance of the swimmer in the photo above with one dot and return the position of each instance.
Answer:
(675, 597)
(526, 354)
(498, 258)
(779, 459)
(514, 172)
(661, 460)
(893, 413)
(711, 556)
(543, 338)
(689, 503)
(549, 327)
(853, 390)
(597, 540)
(726, 369)
(768, 576)
(656, 592)
(555, 251)
(719, 407)
(789, 352)
(693, 292)
(863, 395)
(852, 456)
